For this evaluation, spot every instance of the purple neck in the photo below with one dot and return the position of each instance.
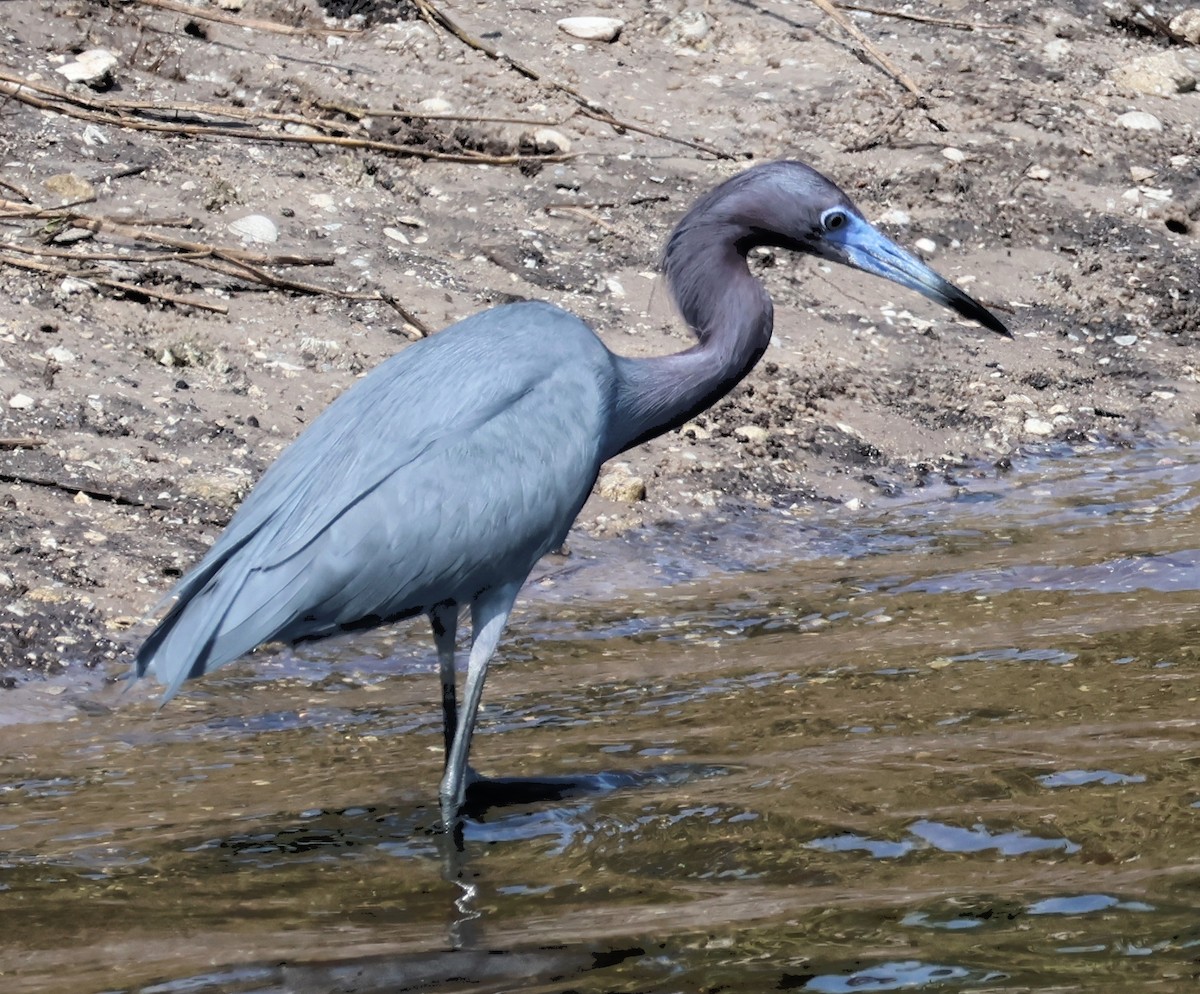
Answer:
(729, 312)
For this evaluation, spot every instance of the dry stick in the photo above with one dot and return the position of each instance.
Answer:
(361, 112)
(52, 253)
(220, 251)
(586, 106)
(274, 27)
(21, 443)
(243, 270)
(941, 22)
(140, 234)
(108, 496)
(251, 117)
(570, 210)
(17, 190)
(195, 253)
(17, 91)
(883, 61)
(162, 109)
(1154, 20)
(32, 212)
(129, 288)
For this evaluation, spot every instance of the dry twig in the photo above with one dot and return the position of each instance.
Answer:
(254, 24)
(138, 119)
(902, 15)
(587, 107)
(869, 47)
(129, 288)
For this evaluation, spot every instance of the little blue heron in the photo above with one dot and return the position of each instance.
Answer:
(443, 476)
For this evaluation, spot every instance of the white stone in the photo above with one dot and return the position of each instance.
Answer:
(690, 27)
(94, 135)
(1039, 173)
(592, 28)
(1036, 426)
(926, 245)
(60, 355)
(549, 140)
(92, 66)
(1162, 74)
(435, 105)
(954, 154)
(1139, 120)
(1140, 174)
(255, 228)
(752, 433)
(20, 402)
(1125, 340)
(1187, 25)
(1057, 50)
(894, 215)
(621, 485)
(72, 284)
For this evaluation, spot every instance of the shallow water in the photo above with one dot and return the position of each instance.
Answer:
(952, 745)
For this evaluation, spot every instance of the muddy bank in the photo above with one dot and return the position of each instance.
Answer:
(133, 420)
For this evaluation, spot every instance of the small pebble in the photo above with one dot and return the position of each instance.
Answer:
(70, 187)
(1036, 426)
(1125, 340)
(435, 105)
(549, 141)
(93, 67)
(1162, 74)
(592, 28)
(1187, 25)
(72, 284)
(926, 245)
(1057, 50)
(1139, 120)
(690, 27)
(255, 228)
(1039, 173)
(954, 154)
(1140, 174)
(622, 486)
(895, 216)
(20, 402)
(752, 433)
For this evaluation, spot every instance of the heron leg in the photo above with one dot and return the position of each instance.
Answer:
(489, 612)
(444, 619)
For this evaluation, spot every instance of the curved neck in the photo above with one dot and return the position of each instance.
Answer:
(729, 312)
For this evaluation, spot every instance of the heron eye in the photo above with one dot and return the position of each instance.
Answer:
(834, 219)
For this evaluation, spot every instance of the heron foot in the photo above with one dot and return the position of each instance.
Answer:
(453, 793)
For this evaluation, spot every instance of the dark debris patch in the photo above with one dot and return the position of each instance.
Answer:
(371, 11)
(40, 634)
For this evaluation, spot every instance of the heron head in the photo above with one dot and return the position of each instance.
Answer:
(791, 205)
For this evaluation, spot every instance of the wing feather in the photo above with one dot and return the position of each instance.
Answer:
(452, 466)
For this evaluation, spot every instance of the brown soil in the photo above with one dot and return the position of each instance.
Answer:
(153, 419)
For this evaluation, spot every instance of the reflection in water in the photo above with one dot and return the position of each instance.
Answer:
(964, 729)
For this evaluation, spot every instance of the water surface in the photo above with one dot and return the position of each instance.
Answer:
(948, 744)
